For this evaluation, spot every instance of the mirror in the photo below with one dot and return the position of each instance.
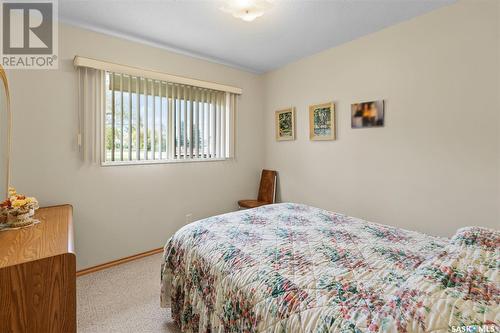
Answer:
(5, 135)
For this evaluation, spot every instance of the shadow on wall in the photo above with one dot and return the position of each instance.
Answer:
(278, 188)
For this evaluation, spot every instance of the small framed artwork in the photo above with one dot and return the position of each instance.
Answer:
(367, 114)
(322, 121)
(285, 124)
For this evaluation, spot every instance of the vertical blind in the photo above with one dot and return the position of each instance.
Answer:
(90, 110)
(136, 119)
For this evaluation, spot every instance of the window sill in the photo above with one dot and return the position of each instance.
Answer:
(149, 162)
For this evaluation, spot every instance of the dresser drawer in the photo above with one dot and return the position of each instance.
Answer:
(38, 275)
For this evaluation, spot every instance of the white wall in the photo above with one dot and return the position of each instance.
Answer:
(120, 211)
(498, 96)
(434, 167)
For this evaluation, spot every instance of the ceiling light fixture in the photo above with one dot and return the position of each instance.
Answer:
(247, 10)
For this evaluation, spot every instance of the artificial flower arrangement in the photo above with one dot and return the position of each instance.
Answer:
(18, 210)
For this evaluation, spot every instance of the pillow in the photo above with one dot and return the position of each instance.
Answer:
(478, 236)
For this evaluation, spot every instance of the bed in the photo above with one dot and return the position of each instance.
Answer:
(295, 268)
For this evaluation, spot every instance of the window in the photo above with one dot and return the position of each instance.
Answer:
(135, 119)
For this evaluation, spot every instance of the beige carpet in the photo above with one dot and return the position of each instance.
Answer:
(123, 299)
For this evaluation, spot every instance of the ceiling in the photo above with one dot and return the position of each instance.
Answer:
(290, 30)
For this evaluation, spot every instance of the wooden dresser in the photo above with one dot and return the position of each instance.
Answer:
(38, 275)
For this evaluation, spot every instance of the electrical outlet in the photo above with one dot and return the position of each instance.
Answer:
(189, 218)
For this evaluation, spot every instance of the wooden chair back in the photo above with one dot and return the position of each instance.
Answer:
(267, 188)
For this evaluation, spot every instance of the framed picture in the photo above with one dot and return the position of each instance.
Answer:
(322, 122)
(367, 114)
(285, 124)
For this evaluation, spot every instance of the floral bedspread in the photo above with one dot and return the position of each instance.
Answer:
(295, 268)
